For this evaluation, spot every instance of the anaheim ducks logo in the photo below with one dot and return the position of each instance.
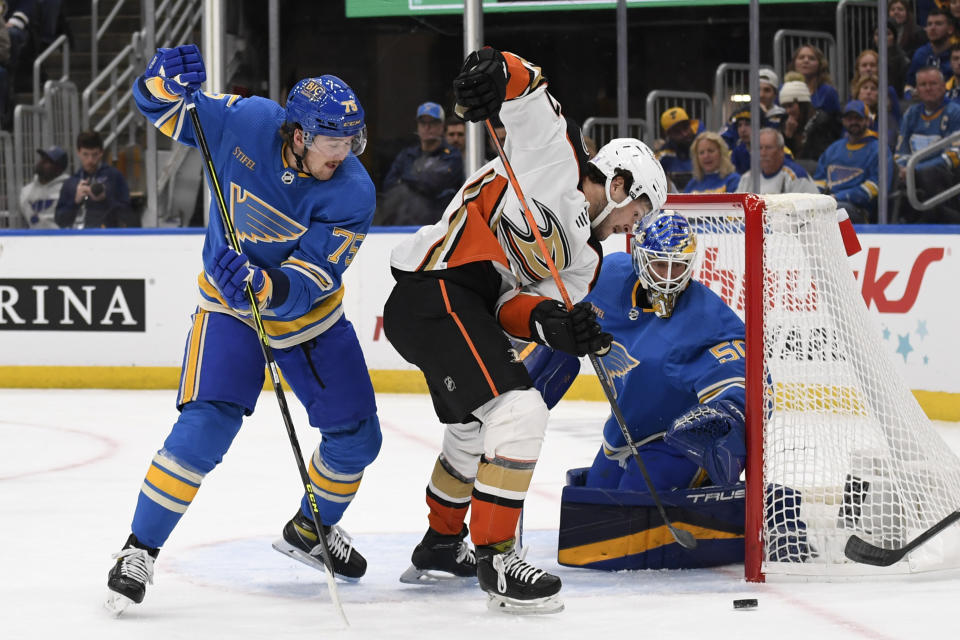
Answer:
(257, 221)
(619, 362)
(520, 243)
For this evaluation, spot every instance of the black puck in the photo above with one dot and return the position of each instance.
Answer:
(747, 603)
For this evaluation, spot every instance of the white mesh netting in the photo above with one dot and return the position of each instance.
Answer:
(846, 447)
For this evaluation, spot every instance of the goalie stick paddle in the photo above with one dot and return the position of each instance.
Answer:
(859, 550)
(684, 538)
(268, 355)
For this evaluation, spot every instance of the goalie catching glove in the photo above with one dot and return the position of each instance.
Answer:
(575, 331)
(231, 272)
(180, 68)
(481, 86)
(713, 436)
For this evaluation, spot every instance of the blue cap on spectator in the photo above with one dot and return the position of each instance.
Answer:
(55, 154)
(855, 106)
(431, 110)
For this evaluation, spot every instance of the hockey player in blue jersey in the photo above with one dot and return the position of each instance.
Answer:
(677, 363)
(301, 203)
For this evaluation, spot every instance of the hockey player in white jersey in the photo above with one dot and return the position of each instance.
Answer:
(478, 273)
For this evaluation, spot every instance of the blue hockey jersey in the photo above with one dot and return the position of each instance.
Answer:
(662, 367)
(850, 171)
(921, 128)
(714, 183)
(304, 231)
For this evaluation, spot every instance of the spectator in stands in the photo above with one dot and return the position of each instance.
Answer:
(423, 176)
(779, 173)
(936, 52)
(38, 198)
(712, 170)
(4, 75)
(20, 17)
(897, 60)
(674, 155)
(455, 133)
(910, 36)
(810, 61)
(848, 170)
(740, 154)
(97, 195)
(769, 85)
(924, 124)
(953, 84)
(808, 131)
(955, 10)
(866, 89)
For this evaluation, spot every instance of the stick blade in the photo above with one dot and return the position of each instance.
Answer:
(861, 551)
(684, 538)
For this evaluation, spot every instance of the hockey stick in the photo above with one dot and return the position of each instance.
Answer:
(859, 550)
(684, 538)
(268, 355)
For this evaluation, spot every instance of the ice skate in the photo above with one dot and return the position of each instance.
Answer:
(513, 585)
(300, 542)
(128, 578)
(442, 558)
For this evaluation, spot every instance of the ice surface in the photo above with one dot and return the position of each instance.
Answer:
(71, 463)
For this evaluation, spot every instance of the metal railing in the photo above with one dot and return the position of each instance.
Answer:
(60, 43)
(698, 106)
(856, 24)
(62, 102)
(9, 191)
(603, 130)
(730, 79)
(30, 132)
(97, 30)
(786, 41)
(115, 79)
(916, 158)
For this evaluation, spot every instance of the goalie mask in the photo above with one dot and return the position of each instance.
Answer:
(638, 160)
(664, 251)
(326, 106)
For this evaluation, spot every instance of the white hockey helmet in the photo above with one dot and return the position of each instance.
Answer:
(635, 157)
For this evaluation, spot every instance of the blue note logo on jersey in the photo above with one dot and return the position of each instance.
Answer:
(619, 362)
(257, 221)
(520, 242)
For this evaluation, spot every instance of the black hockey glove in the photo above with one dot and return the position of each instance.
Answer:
(481, 85)
(575, 331)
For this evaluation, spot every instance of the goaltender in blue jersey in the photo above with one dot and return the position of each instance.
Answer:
(677, 365)
(301, 204)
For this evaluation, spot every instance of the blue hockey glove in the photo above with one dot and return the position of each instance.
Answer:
(231, 272)
(713, 435)
(181, 69)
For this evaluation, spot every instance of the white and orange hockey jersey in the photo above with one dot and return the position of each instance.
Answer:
(485, 220)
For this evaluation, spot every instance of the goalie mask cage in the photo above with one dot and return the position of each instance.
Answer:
(837, 445)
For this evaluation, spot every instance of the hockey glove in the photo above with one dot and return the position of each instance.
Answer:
(575, 331)
(180, 68)
(231, 272)
(713, 436)
(481, 85)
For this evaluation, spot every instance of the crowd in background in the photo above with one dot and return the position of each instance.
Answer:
(808, 141)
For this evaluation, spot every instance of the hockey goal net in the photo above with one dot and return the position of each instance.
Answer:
(837, 444)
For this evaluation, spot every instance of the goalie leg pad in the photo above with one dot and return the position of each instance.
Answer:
(612, 530)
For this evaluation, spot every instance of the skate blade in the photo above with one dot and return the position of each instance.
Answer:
(116, 604)
(428, 576)
(314, 562)
(539, 606)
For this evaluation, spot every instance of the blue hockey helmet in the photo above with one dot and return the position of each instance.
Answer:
(664, 251)
(326, 106)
